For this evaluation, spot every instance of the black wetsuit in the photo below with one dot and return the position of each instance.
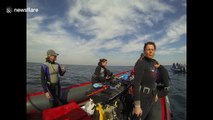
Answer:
(97, 77)
(163, 82)
(145, 76)
(53, 89)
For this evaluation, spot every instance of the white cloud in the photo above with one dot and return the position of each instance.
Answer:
(39, 40)
(103, 23)
(153, 11)
(112, 44)
(57, 28)
(177, 29)
(184, 3)
(135, 45)
(35, 27)
(33, 4)
(173, 32)
(170, 51)
(109, 19)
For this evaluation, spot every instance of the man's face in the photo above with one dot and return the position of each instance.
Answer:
(149, 51)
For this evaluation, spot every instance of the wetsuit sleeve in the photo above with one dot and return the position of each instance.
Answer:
(165, 75)
(137, 82)
(60, 71)
(108, 72)
(43, 79)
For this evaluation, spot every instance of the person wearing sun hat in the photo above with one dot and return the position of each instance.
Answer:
(52, 52)
(50, 80)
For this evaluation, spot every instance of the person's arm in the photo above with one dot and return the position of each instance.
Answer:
(137, 88)
(137, 83)
(108, 74)
(43, 78)
(61, 71)
(44, 81)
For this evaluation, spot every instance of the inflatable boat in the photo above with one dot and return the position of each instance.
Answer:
(178, 70)
(78, 105)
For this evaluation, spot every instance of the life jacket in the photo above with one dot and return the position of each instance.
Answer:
(52, 71)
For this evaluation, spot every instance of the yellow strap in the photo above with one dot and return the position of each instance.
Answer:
(101, 112)
(116, 104)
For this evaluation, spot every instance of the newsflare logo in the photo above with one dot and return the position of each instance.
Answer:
(10, 9)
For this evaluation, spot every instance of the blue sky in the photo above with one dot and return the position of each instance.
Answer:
(83, 31)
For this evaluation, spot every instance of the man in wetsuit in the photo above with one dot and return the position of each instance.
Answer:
(50, 71)
(145, 82)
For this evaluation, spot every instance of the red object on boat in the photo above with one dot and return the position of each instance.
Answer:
(71, 111)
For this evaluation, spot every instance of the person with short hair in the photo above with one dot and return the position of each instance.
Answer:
(144, 85)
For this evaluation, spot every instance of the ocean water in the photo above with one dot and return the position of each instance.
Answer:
(77, 74)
